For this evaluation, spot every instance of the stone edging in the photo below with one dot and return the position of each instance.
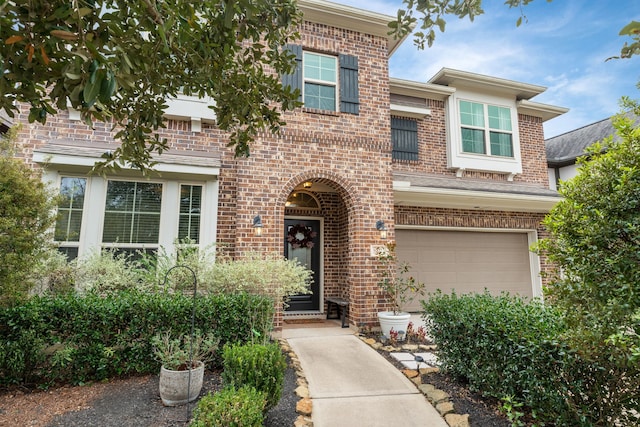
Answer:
(438, 398)
(304, 405)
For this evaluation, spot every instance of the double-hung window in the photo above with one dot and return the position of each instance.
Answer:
(325, 82)
(320, 81)
(132, 216)
(486, 129)
(70, 210)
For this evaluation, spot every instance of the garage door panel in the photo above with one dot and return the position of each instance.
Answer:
(467, 261)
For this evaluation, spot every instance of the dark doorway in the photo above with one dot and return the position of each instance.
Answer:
(303, 242)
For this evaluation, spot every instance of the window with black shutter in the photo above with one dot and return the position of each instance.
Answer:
(325, 82)
(404, 135)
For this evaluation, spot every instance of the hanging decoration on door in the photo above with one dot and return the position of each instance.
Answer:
(301, 236)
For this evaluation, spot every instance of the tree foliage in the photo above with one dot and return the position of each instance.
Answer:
(119, 60)
(431, 15)
(26, 215)
(595, 244)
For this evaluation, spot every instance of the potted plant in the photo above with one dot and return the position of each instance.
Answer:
(183, 360)
(399, 289)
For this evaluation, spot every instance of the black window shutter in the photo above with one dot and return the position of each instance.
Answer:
(404, 135)
(349, 98)
(295, 79)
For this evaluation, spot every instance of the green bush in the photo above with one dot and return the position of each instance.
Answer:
(504, 346)
(231, 407)
(255, 365)
(77, 338)
(26, 217)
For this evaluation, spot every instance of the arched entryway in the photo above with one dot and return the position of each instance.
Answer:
(315, 230)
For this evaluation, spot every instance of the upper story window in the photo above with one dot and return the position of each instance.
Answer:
(326, 82)
(404, 135)
(482, 133)
(486, 129)
(320, 81)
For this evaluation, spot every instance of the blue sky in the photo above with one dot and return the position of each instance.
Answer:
(563, 46)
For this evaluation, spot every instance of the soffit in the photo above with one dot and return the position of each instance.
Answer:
(457, 193)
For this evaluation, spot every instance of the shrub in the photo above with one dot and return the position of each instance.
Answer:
(261, 274)
(255, 365)
(503, 346)
(593, 243)
(77, 338)
(105, 271)
(26, 216)
(231, 407)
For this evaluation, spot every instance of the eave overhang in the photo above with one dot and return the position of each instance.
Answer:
(536, 109)
(458, 78)
(350, 18)
(406, 194)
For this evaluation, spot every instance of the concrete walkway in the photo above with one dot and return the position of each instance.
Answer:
(351, 385)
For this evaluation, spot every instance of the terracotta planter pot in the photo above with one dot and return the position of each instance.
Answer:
(398, 322)
(174, 385)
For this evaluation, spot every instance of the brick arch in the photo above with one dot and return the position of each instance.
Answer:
(346, 190)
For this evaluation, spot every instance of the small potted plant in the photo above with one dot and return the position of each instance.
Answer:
(183, 360)
(399, 289)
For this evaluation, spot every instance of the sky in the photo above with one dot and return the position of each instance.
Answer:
(562, 46)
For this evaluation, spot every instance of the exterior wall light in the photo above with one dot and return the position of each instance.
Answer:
(382, 229)
(307, 184)
(257, 226)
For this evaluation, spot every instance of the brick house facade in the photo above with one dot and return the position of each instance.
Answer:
(339, 169)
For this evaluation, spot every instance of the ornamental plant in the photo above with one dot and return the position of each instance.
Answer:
(184, 352)
(398, 286)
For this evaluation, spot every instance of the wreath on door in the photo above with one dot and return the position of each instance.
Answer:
(301, 236)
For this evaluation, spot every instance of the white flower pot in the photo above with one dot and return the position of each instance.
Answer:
(174, 385)
(398, 322)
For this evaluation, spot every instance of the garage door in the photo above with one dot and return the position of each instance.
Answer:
(466, 261)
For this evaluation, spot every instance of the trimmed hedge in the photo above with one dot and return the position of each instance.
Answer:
(255, 365)
(506, 347)
(74, 338)
(231, 408)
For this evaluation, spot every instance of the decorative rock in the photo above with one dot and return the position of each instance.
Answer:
(425, 371)
(389, 348)
(426, 388)
(304, 406)
(376, 346)
(303, 421)
(430, 347)
(410, 373)
(302, 391)
(370, 341)
(455, 420)
(410, 347)
(417, 380)
(437, 396)
(444, 408)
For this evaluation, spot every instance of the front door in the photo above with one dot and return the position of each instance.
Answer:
(303, 242)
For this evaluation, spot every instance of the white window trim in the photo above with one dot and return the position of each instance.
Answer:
(91, 230)
(336, 84)
(461, 161)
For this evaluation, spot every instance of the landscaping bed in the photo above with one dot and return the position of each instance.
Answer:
(128, 402)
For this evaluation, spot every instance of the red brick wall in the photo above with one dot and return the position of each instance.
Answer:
(432, 149)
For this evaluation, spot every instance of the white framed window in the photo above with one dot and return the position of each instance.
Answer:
(482, 133)
(131, 215)
(320, 74)
(486, 129)
(70, 211)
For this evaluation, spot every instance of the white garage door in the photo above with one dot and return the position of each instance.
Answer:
(466, 261)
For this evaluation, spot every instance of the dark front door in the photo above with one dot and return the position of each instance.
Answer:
(303, 242)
